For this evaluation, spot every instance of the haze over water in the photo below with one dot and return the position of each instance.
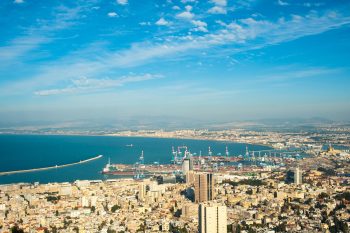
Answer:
(33, 151)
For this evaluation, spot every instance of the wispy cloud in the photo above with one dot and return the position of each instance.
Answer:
(219, 8)
(200, 25)
(112, 14)
(35, 36)
(237, 36)
(92, 85)
(188, 1)
(286, 74)
(20, 46)
(162, 22)
(282, 3)
(122, 2)
(18, 1)
(313, 4)
(187, 14)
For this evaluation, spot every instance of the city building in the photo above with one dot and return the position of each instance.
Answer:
(190, 177)
(204, 187)
(142, 191)
(298, 176)
(212, 218)
(185, 166)
(191, 162)
(189, 210)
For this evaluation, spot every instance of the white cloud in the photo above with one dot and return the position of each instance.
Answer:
(188, 1)
(185, 15)
(238, 36)
(281, 3)
(235, 33)
(122, 2)
(91, 85)
(220, 2)
(188, 8)
(201, 29)
(162, 22)
(145, 23)
(217, 10)
(220, 22)
(176, 8)
(23, 47)
(284, 74)
(112, 14)
(200, 25)
(313, 4)
(18, 1)
(20, 46)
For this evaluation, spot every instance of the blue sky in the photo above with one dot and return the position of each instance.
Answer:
(217, 60)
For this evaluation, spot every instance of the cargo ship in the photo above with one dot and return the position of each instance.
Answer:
(118, 169)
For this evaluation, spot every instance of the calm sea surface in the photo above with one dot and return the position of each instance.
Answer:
(33, 151)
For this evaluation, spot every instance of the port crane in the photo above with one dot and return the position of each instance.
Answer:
(139, 168)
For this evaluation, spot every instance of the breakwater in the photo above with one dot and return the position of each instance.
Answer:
(51, 167)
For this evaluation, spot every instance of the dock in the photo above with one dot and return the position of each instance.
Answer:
(51, 167)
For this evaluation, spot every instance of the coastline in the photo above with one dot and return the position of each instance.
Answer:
(143, 136)
(193, 138)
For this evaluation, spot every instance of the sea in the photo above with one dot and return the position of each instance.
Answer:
(19, 152)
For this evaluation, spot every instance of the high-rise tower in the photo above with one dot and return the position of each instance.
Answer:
(298, 176)
(204, 187)
(212, 218)
(185, 165)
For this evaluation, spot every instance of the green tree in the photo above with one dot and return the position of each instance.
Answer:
(115, 208)
(16, 229)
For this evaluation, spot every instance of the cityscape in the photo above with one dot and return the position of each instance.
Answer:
(175, 116)
(298, 185)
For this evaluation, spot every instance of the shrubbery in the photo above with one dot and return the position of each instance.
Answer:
(251, 182)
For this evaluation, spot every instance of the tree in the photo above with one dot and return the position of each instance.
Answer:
(249, 192)
(238, 229)
(345, 195)
(142, 228)
(54, 229)
(178, 230)
(281, 227)
(115, 208)
(323, 195)
(53, 199)
(16, 229)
